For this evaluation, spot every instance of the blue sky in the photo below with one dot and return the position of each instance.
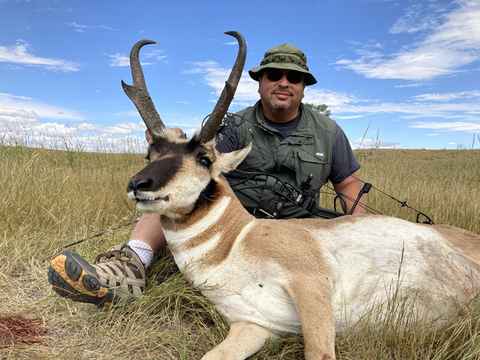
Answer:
(404, 73)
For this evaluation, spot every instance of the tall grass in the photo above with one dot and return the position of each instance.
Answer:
(50, 198)
(443, 184)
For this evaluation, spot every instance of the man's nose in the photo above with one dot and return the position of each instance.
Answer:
(283, 81)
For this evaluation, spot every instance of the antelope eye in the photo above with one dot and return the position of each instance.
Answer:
(205, 161)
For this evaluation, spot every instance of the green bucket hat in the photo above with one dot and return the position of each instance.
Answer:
(287, 57)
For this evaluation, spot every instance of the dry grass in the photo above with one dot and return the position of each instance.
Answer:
(443, 184)
(52, 198)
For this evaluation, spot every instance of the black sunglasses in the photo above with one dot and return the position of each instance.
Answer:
(293, 77)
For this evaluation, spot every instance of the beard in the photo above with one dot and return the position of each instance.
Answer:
(282, 107)
(275, 104)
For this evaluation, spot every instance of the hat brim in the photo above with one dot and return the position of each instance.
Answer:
(256, 72)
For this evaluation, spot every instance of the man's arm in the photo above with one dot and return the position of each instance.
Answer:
(350, 188)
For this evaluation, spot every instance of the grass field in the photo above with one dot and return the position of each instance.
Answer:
(50, 198)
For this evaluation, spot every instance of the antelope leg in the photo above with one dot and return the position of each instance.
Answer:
(243, 340)
(312, 299)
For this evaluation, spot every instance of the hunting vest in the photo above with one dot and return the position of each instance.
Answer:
(307, 150)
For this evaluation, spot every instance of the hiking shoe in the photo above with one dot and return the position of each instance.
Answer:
(120, 277)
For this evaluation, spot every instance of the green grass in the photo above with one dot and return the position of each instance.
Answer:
(50, 198)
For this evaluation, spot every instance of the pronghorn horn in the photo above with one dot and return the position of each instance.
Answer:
(139, 95)
(210, 129)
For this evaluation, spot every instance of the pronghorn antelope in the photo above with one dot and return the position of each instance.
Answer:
(271, 277)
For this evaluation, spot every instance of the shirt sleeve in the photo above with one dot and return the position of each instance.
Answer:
(344, 162)
(227, 137)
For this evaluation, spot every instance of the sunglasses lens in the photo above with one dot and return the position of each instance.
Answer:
(293, 77)
(274, 75)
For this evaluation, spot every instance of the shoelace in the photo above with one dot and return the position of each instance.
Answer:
(120, 255)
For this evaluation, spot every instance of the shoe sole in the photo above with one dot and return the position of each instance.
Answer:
(74, 278)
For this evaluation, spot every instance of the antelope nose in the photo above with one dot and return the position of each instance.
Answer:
(140, 184)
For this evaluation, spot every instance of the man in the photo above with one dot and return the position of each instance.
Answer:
(289, 140)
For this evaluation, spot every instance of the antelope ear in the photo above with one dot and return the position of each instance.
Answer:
(226, 162)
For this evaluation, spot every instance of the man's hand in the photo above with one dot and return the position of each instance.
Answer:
(350, 187)
(179, 131)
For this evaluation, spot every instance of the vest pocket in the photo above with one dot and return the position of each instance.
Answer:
(306, 164)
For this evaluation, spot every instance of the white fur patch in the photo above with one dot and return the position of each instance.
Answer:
(405, 255)
(241, 294)
(178, 237)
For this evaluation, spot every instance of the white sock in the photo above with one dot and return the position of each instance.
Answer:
(143, 250)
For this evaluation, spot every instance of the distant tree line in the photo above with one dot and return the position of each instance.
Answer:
(321, 109)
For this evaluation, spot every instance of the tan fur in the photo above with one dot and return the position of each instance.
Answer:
(270, 277)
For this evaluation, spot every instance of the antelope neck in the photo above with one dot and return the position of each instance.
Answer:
(205, 195)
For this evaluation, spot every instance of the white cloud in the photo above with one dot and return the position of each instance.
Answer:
(14, 107)
(18, 54)
(119, 60)
(364, 143)
(448, 96)
(471, 127)
(155, 54)
(128, 113)
(20, 124)
(463, 110)
(347, 106)
(124, 60)
(418, 17)
(215, 77)
(8, 115)
(452, 41)
(247, 91)
(81, 137)
(349, 117)
(408, 85)
(15, 96)
(59, 137)
(124, 128)
(330, 98)
(82, 28)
